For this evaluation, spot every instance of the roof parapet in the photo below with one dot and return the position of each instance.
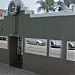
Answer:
(6, 12)
(27, 11)
(60, 13)
(50, 14)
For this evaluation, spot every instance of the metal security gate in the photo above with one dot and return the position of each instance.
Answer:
(20, 51)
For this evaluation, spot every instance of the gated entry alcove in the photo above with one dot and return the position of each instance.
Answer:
(48, 26)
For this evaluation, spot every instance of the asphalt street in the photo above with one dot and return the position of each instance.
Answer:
(35, 49)
(54, 52)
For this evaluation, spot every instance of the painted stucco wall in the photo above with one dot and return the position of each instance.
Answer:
(57, 27)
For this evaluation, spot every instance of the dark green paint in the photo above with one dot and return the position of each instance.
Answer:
(58, 28)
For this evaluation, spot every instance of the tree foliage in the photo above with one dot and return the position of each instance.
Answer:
(59, 2)
(70, 1)
(45, 5)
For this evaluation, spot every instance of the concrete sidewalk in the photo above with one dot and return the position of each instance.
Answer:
(8, 70)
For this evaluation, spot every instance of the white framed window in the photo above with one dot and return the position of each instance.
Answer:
(70, 54)
(55, 47)
(36, 46)
(4, 42)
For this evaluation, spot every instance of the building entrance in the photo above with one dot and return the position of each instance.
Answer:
(15, 51)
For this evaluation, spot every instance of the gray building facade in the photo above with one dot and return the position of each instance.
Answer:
(48, 26)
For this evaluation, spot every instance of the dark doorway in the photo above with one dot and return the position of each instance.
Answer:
(15, 52)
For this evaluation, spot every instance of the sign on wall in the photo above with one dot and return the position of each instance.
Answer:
(14, 7)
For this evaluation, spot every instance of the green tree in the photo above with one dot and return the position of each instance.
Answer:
(71, 1)
(45, 5)
(59, 2)
(68, 2)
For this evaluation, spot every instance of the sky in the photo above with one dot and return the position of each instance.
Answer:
(31, 4)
